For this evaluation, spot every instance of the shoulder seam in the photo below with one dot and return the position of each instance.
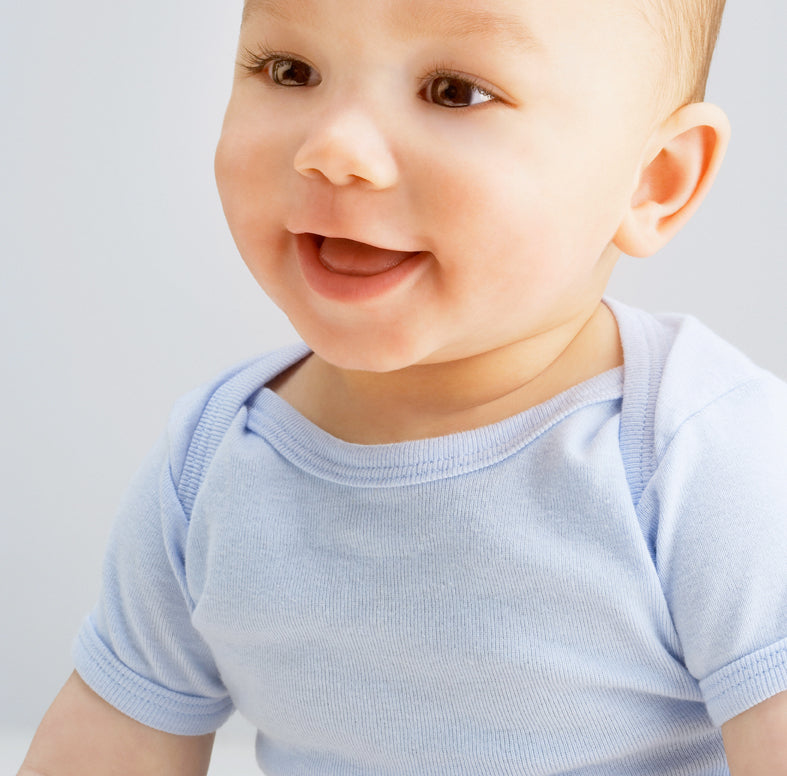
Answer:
(217, 415)
(220, 410)
(643, 368)
(685, 421)
(700, 410)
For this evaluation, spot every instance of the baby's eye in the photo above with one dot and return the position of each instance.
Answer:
(281, 69)
(291, 72)
(450, 91)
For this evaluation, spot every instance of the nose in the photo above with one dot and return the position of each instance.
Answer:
(348, 147)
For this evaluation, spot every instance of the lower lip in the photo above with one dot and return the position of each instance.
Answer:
(351, 288)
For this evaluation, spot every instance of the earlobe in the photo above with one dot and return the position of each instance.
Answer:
(685, 156)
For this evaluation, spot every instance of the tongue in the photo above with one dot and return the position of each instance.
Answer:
(348, 257)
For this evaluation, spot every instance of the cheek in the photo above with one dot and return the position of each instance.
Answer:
(247, 176)
(493, 213)
(253, 199)
(234, 167)
(514, 234)
(251, 157)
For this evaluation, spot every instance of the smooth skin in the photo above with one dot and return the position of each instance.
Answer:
(82, 735)
(756, 741)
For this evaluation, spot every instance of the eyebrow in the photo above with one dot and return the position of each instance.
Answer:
(266, 7)
(462, 23)
(434, 20)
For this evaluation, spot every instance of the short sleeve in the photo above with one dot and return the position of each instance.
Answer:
(138, 649)
(720, 496)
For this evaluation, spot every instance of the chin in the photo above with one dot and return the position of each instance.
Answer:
(367, 353)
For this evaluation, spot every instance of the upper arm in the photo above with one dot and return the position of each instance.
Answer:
(715, 510)
(81, 733)
(756, 740)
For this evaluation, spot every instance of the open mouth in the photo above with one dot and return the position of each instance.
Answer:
(348, 257)
(348, 271)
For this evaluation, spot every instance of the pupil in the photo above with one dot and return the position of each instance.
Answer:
(289, 72)
(452, 91)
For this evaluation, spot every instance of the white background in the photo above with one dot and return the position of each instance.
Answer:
(120, 288)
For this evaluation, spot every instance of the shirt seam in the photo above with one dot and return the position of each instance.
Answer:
(460, 464)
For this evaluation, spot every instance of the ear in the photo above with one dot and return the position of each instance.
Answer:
(684, 156)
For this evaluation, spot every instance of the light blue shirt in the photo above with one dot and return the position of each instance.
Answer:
(588, 588)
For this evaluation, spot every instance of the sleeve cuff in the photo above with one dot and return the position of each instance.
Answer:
(746, 682)
(141, 699)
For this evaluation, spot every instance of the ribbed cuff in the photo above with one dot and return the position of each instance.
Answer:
(141, 699)
(746, 682)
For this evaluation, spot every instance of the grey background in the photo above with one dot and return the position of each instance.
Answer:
(120, 288)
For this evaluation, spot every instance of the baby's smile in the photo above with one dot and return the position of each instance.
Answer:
(348, 257)
(342, 269)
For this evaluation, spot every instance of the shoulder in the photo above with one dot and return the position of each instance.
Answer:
(688, 374)
(200, 417)
(706, 379)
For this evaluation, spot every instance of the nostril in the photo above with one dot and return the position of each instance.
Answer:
(309, 172)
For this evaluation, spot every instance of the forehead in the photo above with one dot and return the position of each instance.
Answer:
(512, 19)
(487, 19)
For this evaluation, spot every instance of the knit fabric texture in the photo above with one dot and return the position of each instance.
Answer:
(589, 588)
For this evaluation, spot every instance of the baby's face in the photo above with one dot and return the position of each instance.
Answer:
(415, 181)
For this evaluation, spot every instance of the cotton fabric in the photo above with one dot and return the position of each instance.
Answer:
(590, 587)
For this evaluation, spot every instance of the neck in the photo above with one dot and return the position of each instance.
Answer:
(435, 399)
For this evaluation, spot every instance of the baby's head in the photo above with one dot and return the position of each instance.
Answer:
(415, 181)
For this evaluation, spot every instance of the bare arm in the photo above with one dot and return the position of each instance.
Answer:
(756, 741)
(81, 733)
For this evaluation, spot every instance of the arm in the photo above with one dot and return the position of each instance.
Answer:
(81, 733)
(756, 741)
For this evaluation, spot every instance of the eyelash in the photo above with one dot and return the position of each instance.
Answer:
(255, 63)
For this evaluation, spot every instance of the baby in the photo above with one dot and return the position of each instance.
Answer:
(484, 521)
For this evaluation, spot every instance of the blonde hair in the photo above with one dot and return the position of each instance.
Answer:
(689, 31)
